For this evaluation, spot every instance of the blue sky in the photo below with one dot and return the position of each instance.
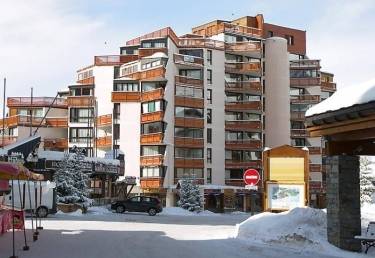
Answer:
(43, 42)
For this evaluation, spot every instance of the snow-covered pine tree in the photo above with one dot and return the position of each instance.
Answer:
(190, 197)
(366, 180)
(71, 181)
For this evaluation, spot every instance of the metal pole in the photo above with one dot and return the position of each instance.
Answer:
(45, 115)
(13, 238)
(40, 205)
(31, 113)
(32, 211)
(22, 201)
(36, 233)
(3, 136)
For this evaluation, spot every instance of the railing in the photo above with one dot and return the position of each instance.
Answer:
(238, 29)
(315, 167)
(188, 142)
(305, 99)
(81, 101)
(188, 81)
(197, 181)
(243, 164)
(153, 138)
(304, 82)
(20, 120)
(246, 46)
(304, 63)
(7, 140)
(151, 182)
(188, 60)
(200, 43)
(188, 163)
(328, 86)
(152, 95)
(152, 160)
(114, 59)
(188, 102)
(105, 141)
(299, 133)
(152, 117)
(143, 52)
(104, 120)
(315, 150)
(56, 143)
(89, 80)
(242, 125)
(189, 122)
(242, 67)
(248, 105)
(165, 32)
(297, 115)
(56, 122)
(37, 102)
(123, 96)
(243, 86)
(243, 144)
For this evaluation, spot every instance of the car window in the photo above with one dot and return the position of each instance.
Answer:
(147, 199)
(135, 199)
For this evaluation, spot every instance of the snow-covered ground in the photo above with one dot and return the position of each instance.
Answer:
(101, 233)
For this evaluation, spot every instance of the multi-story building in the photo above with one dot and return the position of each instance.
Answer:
(202, 105)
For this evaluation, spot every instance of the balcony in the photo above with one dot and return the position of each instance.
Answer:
(187, 61)
(197, 181)
(143, 52)
(305, 82)
(235, 182)
(242, 164)
(188, 81)
(305, 99)
(20, 120)
(299, 133)
(154, 74)
(113, 60)
(151, 182)
(154, 138)
(188, 102)
(104, 120)
(152, 117)
(225, 27)
(328, 86)
(188, 142)
(81, 101)
(315, 185)
(243, 145)
(200, 43)
(315, 150)
(87, 81)
(240, 106)
(61, 122)
(104, 142)
(253, 68)
(315, 168)
(56, 143)
(37, 102)
(152, 95)
(244, 87)
(304, 64)
(243, 125)
(189, 122)
(152, 160)
(188, 163)
(126, 96)
(244, 48)
(7, 140)
(297, 115)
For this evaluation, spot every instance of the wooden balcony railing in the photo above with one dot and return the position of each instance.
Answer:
(304, 82)
(242, 164)
(104, 120)
(301, 99)
(201, 43)
(37, 102)
(55, 143)
(114, 60)
(143, 52)
(249, 105)
(152, 95)
(123, 96)
(154, 138)
(89, 80)
(7, 140)
(328, 86)
(305, 63)
(242, 67)
(188, 60)
(154, 73)
(57, 122)
(188, 102)
(104, 142)
(151, 182)
(189, 122)
(224, 27)
(152, 117)
(246, 47)
(20, 120)
(243, 145)
(188, 163)
(152, 160)
(299, 133)
(165, 32)
(315, 150)
(243, 125)
(81, 101)
(183, 80)
(188, 142)
(244, 87)
(297, 115)
(315, 167)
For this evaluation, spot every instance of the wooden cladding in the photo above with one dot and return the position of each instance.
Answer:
(152, 117)
(152, 160)
(243, 145)
(183, 80)
(188, 142)
(151, 182)
(114, 60)
(315, 150)
(243, 47)
(188, 60)
(104, 142)
(122, 96)
(188, 163)
(250, 105)
(56, 143)
(304, 82)
(7, 140)
(315, 167)
(155, 138)
(57, 122)
(243, 125)
(242, 164)
(189, 122)
(302, 99)
(20, 120)
(143, 52)
(239, 67)
(155, 73)
(224, 27)
(82, 101)
(36, 102)
(299, 133)
(104, 120)
(90, 80)
(328, 86)
(297, 115)
(244, 87)
(152, 95)
(188, 102)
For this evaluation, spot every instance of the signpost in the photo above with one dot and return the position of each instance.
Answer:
(251, 178)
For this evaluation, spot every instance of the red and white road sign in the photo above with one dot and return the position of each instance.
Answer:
(251, 177)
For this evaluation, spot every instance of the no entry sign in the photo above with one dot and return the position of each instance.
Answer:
(251, 177)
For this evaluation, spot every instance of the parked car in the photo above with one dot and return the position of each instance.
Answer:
(151, 205)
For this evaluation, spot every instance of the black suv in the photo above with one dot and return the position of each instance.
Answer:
(138, 204)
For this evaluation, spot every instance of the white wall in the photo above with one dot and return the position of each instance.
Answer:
(103, 88)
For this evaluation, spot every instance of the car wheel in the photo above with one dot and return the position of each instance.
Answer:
(120, 209)
(42, 212)
(152, 212)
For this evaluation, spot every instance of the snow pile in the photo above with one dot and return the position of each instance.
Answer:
(368, 214)
(76, 213)
(177, 211)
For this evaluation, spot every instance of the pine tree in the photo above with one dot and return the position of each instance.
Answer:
(190, 197)
(71, 181)
(366, 180)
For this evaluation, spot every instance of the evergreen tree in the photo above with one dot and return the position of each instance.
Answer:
(190, 197)
(366, 180)
(71, 181)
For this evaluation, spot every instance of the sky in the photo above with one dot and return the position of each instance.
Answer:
(44, 42)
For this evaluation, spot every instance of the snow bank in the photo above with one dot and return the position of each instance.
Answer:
(368, 214)
(177, 211)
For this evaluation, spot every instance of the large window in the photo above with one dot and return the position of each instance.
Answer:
(209, 175)
(300, 107)
(297, 125)
(305, 73)
(130, 86)
(209, 155)
(209, 56)
(209, 115)
(242, 116)
(186, 132)
(151, 64)
(209, 96)
(152, 106)
(81, 91)
(149, 86)
(151, 150)
(242, 155)
(155, 127)
(188, 173)
(241, 136)
(209, 135)
(299, 142)
(82, 135)
(209, 76)
(36, 112)
(196, 74)
(188, 153)
(81, 115)
(189, 92)
(189, 112)
(235, 97)
(152, 172)
(233, 174)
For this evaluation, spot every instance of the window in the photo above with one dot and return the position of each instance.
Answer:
(152, 172)
(152, 106)
(241, 136)
(135, 199)
(299, 142)
(81, 115)
(81, 91)
(155, 127)
(242, 155)
(209, 135)
(150, 150)
(242, 116)
(209, 96)
(132, 86)
(146, 45)
(159, 44)
(233, 174)
(190, 92)
(188, 153)
(270, 33)
(116, 111)
(195, 74)
(290, 39)
(297, 125)
(188, 112)
(188, 173)
(209, 175)
(82, 135)
(186, 132)
(149, 86)
(209, 155)
(209, 76)
(209, 115)
(209, 56)
(304, 73)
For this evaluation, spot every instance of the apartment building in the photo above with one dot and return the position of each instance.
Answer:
(202, 105)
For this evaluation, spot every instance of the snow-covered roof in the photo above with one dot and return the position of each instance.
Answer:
(347, 97)
(5, 150)
(157, 55)
(114, 162)
(51, 155)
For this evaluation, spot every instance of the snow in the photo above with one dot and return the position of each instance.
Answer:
(353, 95)
(6, 149)
(59, 155)
(114, 162)
(177, 211)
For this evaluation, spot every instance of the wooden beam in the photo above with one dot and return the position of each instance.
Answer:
(360, 147)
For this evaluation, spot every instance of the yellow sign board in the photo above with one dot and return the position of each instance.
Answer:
(287, 169)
